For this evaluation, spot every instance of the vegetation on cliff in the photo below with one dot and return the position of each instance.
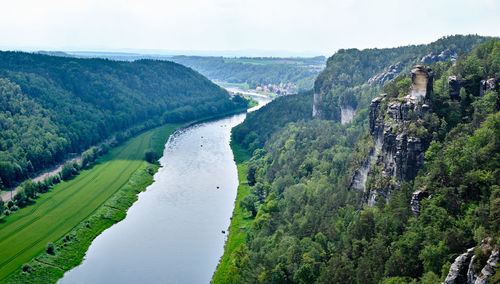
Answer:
(309, 227)
(348, 69)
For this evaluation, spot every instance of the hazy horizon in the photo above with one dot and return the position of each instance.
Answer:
(224, 27)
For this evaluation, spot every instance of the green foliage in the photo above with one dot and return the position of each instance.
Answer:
(271, 117)
(351, 68)
(399, 87)
(256, 71)
(248, 203)
(51, 106)
(50, 249)
(310, 227)
(76, 207)
(150, 156)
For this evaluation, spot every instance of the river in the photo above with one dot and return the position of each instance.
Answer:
(173, 233)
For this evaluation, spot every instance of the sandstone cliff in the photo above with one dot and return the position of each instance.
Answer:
(400, 139)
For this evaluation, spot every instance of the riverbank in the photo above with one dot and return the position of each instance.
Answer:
(23, 248)
(85, 206)
(241, 220)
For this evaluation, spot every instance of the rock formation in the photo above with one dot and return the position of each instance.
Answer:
(388, 75)
(454, 86)
(485, 85)
(443, 56)
(458, 270)
(489, 269)
(416, 198)
(421, 83)
(462, 269)
(316, 102)
(400, 141)
(346, 114)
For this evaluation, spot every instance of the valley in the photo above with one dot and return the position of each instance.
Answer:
(381, 167)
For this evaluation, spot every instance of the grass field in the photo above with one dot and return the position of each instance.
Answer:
(241, 220)
(25, 234)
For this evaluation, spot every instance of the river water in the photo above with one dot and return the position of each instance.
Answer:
(173, 233)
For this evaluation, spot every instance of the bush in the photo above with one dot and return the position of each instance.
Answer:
(26, 268)
(69, 170)
(151, 156)
(50, 249)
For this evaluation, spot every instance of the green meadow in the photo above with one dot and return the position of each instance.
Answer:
(241, 220)
(59, 215)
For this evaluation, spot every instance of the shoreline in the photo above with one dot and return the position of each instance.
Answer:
(240, 222)
(72, 247)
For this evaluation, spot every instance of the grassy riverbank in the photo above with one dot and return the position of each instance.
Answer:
(241, 220)
(76, 211)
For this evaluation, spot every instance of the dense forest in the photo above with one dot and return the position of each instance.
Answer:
(257, 71)
(309, 227)
(51, 106)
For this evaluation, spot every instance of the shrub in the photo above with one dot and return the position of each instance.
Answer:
(50, 249)
(26, 268)
(150, 156)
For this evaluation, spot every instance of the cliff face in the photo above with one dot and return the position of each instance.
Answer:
(462, 269)
(400, 139)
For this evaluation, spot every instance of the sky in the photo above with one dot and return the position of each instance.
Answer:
(250, 27)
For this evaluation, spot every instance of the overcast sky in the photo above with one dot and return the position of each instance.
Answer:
(296, 26)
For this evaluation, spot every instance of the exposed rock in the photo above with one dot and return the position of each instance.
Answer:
(316, 101)
(402, 152)
(376, 121)
(358, 181)
(416, 198)
(471, 276)
(489, 269)
(403, 145)
(454, 86)
(462, 270)
(346, 114)
(485, 85)
(459, 268)
(388, 75)
(421, 83)
(443, 56)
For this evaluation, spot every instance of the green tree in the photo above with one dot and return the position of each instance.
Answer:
(251, 170)
(151, 156)
(2, 207)
(248, 203)
(50, 249)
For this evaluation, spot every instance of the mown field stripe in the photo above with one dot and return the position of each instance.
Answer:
(24, 234)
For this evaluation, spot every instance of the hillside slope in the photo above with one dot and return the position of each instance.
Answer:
(51, 106)
(335, 89)
(312, 226)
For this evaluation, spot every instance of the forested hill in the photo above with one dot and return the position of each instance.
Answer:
(338, 85)
(310, 225)
(258, 71)
(51, 106)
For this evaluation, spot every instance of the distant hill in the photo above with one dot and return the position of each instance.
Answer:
(293, 74)
(52, 105)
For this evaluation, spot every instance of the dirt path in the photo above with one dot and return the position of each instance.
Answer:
(6, 196)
